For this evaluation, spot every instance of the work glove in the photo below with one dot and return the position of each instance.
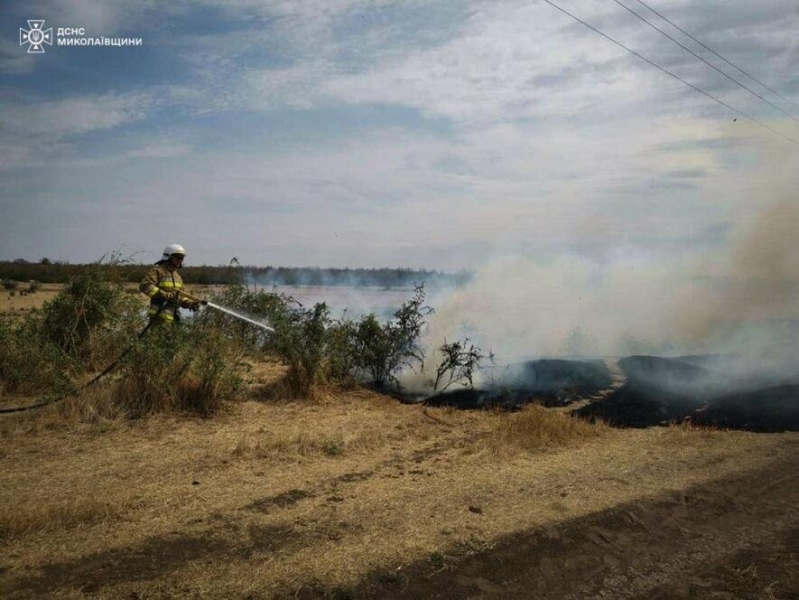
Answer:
(168, 296)
(193, 306)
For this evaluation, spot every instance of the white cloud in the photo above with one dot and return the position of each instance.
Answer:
(74, 115)
(160, 150)
(295, 87)
(97, 17)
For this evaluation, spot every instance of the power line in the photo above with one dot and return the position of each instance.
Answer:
(709, 49)
(675, 76)
(711, 65)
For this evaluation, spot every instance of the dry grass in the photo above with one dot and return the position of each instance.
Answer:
(535, 428)
(18, 304)
(278, 444)
(271, 497)
(94, 410)
(56, 515)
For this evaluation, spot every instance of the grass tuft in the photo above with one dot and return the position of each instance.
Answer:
(20, 521)
(535, 428)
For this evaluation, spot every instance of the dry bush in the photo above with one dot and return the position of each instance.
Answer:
(536, 428)
(150, 372)
(212, 372)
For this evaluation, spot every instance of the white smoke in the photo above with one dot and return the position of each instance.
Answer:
(741, 297)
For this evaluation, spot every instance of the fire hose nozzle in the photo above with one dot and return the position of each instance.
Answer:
(202, 301)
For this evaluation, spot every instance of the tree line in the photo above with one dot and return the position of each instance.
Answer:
(47, 271)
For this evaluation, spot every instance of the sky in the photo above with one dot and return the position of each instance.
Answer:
(438, 134)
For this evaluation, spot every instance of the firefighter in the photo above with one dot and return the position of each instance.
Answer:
(162, 284)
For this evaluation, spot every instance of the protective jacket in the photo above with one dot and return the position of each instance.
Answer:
(163, 278)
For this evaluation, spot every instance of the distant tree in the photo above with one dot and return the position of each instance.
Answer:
(45, 261)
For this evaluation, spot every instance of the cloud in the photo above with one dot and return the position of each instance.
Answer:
(74, 115)
(97, 17)
(160, 150)
(438, 131)
(34, 132)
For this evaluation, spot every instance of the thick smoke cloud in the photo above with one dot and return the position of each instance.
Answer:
(740, 298)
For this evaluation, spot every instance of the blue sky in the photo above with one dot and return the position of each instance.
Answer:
(437, 134)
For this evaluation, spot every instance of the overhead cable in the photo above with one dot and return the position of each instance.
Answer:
(709, 49)
(674, 75)
(711, 65)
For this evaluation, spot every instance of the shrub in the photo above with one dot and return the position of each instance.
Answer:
(150, 372)
(382, 351)
(212, 373)
(34, 286)
(28, 363)
(83, 327)
(253, 303)
(300, 340)
(10, 284)
(186, 367)
(460, 360)
(342, 362)
(92, 301)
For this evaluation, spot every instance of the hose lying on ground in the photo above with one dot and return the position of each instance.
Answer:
(95, 379)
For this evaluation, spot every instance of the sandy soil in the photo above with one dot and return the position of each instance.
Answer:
(356, 495)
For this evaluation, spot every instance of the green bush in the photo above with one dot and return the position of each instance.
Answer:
(9, 284)
(28, 363)
(342, 360)
(380, 351)
(254, 303)
(212, 374)
(81, 329)
(301, 341)
(188, 367)
(93, 305)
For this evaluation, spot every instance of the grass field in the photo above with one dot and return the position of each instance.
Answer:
(356, 495)
(351, 494)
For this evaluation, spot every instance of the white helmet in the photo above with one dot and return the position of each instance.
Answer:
(173, 249)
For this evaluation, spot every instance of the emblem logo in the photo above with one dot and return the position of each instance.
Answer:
(36, 36)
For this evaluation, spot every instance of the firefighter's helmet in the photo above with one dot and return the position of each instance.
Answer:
(173, 249)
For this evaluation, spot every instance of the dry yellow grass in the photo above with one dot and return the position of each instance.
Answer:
(535, 428)
(272, 497)
(54, 514)
(21, 301)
